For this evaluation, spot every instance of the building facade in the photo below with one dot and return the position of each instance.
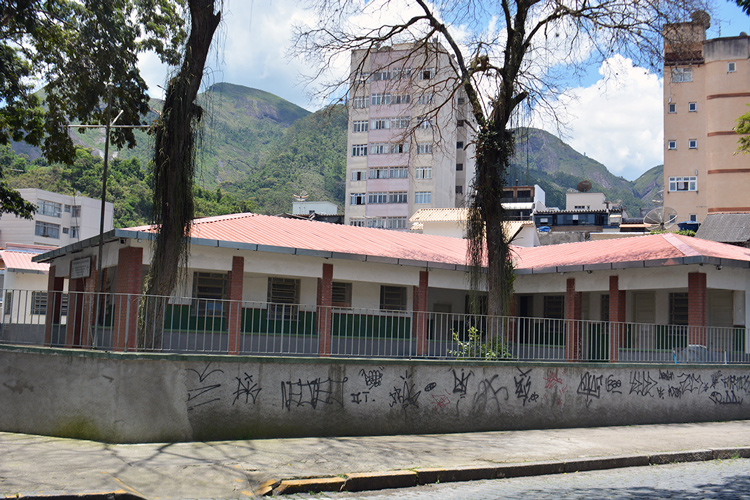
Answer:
(706, 88)
(59, 220)
(409, 145)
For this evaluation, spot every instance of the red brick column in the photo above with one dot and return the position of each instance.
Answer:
(616, 318)
(236, 279)
(697, 314)
(55, 288)
(325, 300)
(128, 290)
(419, 327)
(573, 341)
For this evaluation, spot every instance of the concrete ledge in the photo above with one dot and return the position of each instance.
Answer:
(380, 480)
(681, 456)
(110, 495)
(313, 485)
(445, 475)
(727, 453)
(530, 469)
(588, 464)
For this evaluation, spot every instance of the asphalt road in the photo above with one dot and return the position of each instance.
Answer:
(712, 480)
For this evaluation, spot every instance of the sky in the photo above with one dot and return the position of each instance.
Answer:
(616, 121)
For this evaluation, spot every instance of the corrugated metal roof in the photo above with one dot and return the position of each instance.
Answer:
(21, 261)
(726, 228)
(323, 237)
(440, 215)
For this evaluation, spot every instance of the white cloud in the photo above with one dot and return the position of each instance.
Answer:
(618, 120)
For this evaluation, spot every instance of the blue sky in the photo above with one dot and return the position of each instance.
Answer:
(617, 122)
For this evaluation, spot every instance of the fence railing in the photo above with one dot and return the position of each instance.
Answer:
(122, 322)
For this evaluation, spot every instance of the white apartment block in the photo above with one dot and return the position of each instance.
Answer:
(409, 143)
(59, 220)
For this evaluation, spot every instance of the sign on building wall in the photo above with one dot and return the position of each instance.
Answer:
(80, 268)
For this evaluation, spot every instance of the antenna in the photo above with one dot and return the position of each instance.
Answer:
(660, 218)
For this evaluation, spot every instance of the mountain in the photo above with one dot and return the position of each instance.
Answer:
(257, 150)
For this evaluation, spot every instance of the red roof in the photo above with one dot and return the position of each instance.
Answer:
(22, 261)
(272, 231)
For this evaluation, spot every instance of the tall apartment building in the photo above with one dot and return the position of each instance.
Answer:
(706, 88)
(409, 139)
(59, 220)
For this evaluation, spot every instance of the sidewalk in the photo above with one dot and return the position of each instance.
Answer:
(36, 465)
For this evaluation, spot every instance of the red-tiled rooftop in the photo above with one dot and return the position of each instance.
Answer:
(21, 261)
(324, 237)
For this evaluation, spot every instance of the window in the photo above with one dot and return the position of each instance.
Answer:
(554, 306)
(460, 145)
(66, 230)
(50, 208)
(459, 167)
(357, 199)
(393, 298)
(689, 183)
(381, 76)
(377, 197)
(358, 175)
(47, 230)
(459, 123)
(692, 107)
(426, 73)
(377, 222)
(693, 218)
(361, 102)
(359, 222)
(76, 211)
(424, 148)
(283, 297)
(400, 73)
(693, 144)
(461, 100)
(731, 67)
(678, 308)
(38, 302)
(209, 290)
(359, 126)
(400, 122)
(425, 98)
(423, 173)
(401, 147)
(341, 294)
(424, 122)
(671, 144)
(67, 209)
(75, 232)
(378, 173)
(398, 172)
(396, 222)
(381, 124)
(362, 77)
(579, 207)
(378, 148)
(397, 197)
(459, 190)
(400, 99)
(359, 150)
(380, 99)
(680, 75)
(422, 197)
(672, 107)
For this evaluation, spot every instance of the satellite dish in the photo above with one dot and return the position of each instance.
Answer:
(302, 196)
(660, 218)
(659, 199)
(584, 186)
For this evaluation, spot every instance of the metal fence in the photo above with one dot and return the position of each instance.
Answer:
(121, 322)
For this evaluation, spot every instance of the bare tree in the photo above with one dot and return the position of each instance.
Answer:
(508, 58)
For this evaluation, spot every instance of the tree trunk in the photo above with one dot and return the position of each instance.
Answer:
(174, 166)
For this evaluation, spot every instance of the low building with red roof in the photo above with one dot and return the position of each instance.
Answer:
(288, 271)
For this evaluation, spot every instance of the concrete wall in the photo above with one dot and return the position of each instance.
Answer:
(132, 398)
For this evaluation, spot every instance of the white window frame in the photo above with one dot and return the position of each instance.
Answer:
(684, 183)
(424, 148)
(397, 197)
(423, 173)
(400, 148)
(398, 172)
(357, 222)
(422, 197)
(381, 124)
(400, 99)
(377, 222)
(360, 126)
(425, 98)
(426, 73)
(379, 148)
(692, 107)
(424, 122)
(672, 108)
(357, 198)
(361, 102)
(50, 208)
(359, 150)
(47, 230)
(400, 122)
(359, 175)
(75, 231)
(377, 198)
(75, 211)
(383, 75)
(396, 222)
(731, 67)
(380, 99)
(378, 173)
(692, 143)
(682, 75)
(672, 144)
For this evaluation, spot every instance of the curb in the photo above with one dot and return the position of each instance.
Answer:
(99, 495)
(406, 478)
